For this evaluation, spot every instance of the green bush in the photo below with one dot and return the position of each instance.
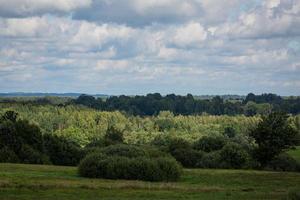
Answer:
(97, 165)
(8, 156)
(114, 135)
(29, 155)
(124, 150)
(233, 155)
(283, 162)
(62, 151)
(162, 142)
(210, 160)
(92, 166)
(178, 143)
(229, 132)
(100, 143)
(209, 144)
(187, 157)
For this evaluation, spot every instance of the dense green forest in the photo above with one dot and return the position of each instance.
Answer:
(82, 124)
(153, 104)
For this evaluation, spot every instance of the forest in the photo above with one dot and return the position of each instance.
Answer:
(152, 104)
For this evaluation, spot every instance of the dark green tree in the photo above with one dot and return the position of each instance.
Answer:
(273, 135)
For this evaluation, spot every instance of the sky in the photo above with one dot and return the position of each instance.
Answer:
(145, 46)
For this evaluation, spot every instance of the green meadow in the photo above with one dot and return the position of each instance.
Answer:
(42, 182)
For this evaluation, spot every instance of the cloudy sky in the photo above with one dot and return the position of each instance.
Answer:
(143, 46)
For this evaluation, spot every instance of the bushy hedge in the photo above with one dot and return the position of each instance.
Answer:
(130, 162)
(233, 156)
(97, 165)
(124, 150)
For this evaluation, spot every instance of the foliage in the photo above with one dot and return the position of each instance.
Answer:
(283, 162)
(62, 151)
(114, 135)
(83, 125)
(210, 160)
(141, 168)
(178, 143)
(8, 156)
(187, 157)
(29, 145)
(129, 151)
(152, 104)
(129, 162)
(233, 156)
(229, 132)
(29, 155)
(209, 144)
(273, 135)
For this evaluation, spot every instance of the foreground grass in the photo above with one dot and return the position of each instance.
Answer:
(51, 182)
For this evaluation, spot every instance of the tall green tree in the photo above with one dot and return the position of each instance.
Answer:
(273, 135)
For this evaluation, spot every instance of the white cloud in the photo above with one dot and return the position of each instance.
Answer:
(269, 20)
(191, 34)
(24, 27)
(90, 34)
(21, 8)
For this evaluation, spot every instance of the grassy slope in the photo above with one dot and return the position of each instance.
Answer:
(52, 182)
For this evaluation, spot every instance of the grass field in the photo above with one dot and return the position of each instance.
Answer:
(51, 182)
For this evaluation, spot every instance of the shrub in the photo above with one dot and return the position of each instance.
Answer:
(229, 132)
(29, 155)
(8, 156)
(100, 143)
(283, 162)
(97, 165)
(91, 166)
(124, 150)
(187, 157)
(178, 143)
(210, 160)
(209, 144)
(114, 135)
(233, 155)
(62, 151)
(162, 142)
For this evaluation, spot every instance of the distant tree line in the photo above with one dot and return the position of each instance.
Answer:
(152, 104)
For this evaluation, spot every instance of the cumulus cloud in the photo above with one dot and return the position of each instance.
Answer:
(274, 18)
(25, 8)
(191, 34)
(139, 12)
